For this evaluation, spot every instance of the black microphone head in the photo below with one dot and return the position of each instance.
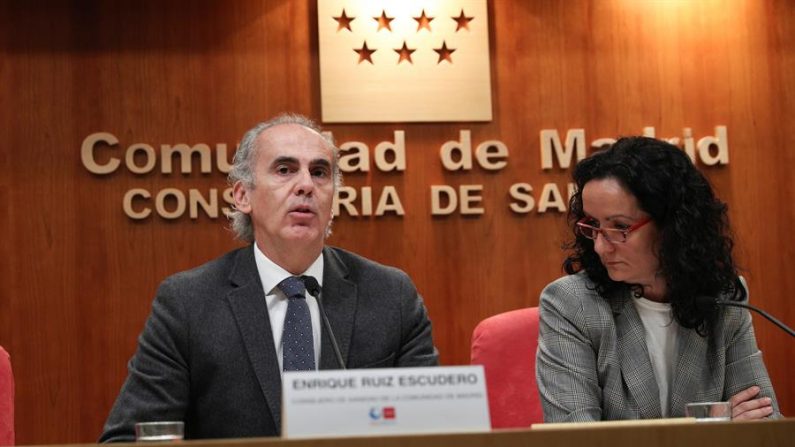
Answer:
(705, 302)
(311, 285)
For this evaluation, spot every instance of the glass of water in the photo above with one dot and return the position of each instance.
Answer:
(168, 431)
(709, 411)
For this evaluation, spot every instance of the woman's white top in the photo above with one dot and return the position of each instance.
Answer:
(661, 331)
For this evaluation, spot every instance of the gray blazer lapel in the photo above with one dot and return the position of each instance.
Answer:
(692, 381)
(634, 358)
(339, 301)
(248, 305)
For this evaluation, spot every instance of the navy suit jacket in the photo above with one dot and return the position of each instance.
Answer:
(206, 355)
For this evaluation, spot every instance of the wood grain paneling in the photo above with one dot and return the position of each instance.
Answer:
(78, 276)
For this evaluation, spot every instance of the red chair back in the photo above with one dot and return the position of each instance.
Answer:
(6, 400)
(505, 344)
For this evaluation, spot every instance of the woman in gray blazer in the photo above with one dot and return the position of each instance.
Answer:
(634, 331)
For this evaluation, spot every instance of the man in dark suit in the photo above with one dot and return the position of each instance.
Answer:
(219, 336)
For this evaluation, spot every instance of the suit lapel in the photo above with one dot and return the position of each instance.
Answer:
(634, 357)
(691, 377)
(339, 301)
(247, 301)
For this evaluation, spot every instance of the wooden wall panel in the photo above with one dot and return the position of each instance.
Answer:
(78, 276)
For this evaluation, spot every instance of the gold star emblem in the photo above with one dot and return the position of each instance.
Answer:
(365, 53)
(462, 21)
(423, 21)
(343, 21)
(404, 53)
(445, 54)
(384, 21)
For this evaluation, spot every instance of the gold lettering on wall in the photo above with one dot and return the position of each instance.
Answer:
(101, 155)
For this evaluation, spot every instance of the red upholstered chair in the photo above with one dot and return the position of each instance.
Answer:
(6, 400)
(505, 345)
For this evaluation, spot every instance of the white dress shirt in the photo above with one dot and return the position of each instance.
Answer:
(271, 275)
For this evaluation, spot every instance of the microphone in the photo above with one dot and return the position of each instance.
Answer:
(314, 289)
(771, 318)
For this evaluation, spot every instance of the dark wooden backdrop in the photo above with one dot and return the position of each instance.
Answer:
(78, 276)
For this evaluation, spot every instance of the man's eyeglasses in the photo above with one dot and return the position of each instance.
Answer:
(612, 235)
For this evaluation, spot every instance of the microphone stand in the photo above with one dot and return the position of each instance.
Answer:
(314, 289)
(761, 312)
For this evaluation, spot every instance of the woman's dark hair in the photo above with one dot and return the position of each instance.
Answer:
(695, 246)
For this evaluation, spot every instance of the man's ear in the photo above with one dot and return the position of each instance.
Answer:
(242, 198)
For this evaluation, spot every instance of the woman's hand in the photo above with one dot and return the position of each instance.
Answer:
(745, 407)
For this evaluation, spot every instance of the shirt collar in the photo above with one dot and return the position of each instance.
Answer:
(271, 274)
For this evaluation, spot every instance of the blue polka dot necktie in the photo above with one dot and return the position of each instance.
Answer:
(298, 348)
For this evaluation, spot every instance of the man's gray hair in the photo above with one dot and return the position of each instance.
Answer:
(245, 161)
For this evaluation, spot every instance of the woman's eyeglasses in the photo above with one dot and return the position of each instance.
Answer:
(612, 235)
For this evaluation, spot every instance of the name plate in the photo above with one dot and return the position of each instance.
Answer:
(384, 401)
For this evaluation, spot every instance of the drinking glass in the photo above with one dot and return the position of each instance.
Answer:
(168, 431)
(709, 411)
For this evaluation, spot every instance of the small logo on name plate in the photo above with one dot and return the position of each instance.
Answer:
(382, 415)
